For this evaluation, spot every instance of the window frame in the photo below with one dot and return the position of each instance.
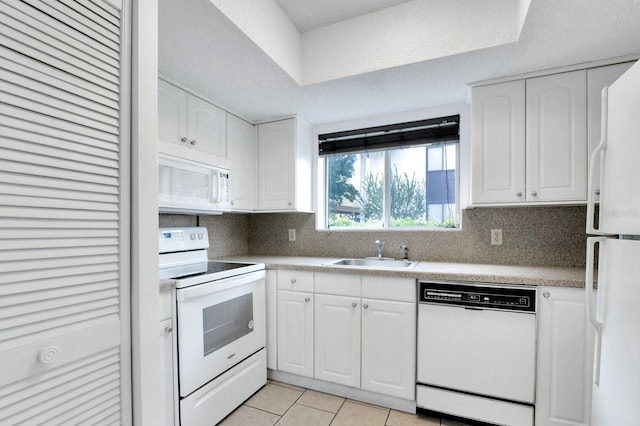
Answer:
(463, 183)
(386, 208)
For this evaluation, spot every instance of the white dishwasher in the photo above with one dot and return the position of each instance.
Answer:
(477, 351)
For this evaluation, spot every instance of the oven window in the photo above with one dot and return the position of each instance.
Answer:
(227, 321)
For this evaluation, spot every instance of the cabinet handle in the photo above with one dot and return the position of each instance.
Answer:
(168, 329)
(293, 280)
(597, 192)
(365, 306)
(290, 204)
(534, 194)
(193, 142)
(354, 304)
(306, 299)
(546, 294)
(519, 193)
(233, 202)
(183, 139)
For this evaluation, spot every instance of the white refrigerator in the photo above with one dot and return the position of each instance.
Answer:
(614, 309)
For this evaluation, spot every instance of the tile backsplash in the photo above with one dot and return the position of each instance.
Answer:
(544, 236)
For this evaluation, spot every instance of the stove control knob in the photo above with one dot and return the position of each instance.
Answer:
(192, 236)
(200, 236)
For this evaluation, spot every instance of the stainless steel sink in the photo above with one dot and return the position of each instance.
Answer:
(375, 263)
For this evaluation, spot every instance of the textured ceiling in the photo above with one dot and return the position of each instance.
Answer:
(202, 49)
(311, 14)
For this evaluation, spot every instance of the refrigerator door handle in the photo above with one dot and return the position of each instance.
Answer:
(590, 305)
(596, 156)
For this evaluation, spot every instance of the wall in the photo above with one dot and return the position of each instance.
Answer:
(547, 236)
(550, 236)
(228, 233)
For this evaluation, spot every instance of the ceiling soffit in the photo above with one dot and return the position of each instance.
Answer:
(409, 32)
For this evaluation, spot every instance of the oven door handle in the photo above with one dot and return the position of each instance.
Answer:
(200, 290)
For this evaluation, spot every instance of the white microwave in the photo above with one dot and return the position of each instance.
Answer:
(191, 182)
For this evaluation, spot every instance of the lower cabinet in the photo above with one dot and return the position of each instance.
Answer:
(165, 352)
(351, 330)
(565, 360)
(337, 339)
(389, 347)
(295, 332)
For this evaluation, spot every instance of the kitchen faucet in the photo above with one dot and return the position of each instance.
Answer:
(380, 247)
(405, 251)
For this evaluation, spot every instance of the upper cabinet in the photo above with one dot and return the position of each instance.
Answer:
(597, 79)
(498, 143)
(556, 137)
(284, 165)
(531, 138)
(242, 151)
(271, 166)
(187, 120)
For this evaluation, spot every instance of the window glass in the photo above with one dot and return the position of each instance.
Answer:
(408, 190)
(355, 189)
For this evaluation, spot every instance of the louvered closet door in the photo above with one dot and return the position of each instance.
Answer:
(62, 280)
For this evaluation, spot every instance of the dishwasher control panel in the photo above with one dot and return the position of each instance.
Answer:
(479, 296)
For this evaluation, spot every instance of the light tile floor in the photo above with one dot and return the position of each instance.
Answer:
(286, 405)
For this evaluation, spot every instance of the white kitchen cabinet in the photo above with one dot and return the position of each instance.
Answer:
(564, 362)
(529, 141)
(498, 155)
(190, 121)
(284, 165)
(556, 137)
(389, 336)
(166, 363)
(597, 79)
(242, 151)
(271, 295)
(172, 113)
(295, 332)
(165, 351)
(206, 127)
(337, 339)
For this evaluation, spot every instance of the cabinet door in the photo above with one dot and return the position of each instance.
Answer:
(498, 143)
(172, 113)
(389, 347)
(166, 361)
(565, 343)
(597, 79)
(242, 150)
(556, 133)
(271, 295)
(295, 332)
(206, 127)
(276, 168)
(337, 339)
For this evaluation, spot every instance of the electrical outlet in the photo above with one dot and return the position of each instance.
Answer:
(292, 234)
(496, 237)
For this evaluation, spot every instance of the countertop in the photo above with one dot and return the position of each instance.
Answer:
(505, 274)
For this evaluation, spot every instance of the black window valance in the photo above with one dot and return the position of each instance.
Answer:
(413, 133)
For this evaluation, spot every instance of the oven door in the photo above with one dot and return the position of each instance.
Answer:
(220, 323)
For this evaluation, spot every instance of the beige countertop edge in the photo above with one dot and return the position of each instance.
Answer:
(503, 274)
(442, 271)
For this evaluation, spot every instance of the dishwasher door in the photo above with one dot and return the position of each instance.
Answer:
(480, 351)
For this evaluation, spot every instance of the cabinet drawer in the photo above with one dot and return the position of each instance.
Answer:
(388, 288)
(338, 284)
(295, 280)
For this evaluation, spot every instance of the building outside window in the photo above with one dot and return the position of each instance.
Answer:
(398, 176)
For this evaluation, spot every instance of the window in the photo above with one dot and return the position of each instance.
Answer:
(393, 176)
